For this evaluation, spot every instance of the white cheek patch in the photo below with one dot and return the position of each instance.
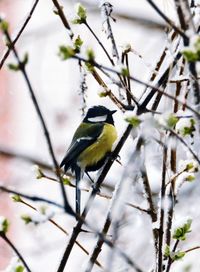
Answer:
(98, 119)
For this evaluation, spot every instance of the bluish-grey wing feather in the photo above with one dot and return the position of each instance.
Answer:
(88, 136)
(74, 150)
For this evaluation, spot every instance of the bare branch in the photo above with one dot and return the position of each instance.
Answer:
(19, 34)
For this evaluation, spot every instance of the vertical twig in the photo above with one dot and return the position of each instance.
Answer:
(162, 15)
(77, 228)
(108, 220)
(170, 261)
(107, 10)
(22, 68)
(182, 13)
(162, 211)
(63, 17)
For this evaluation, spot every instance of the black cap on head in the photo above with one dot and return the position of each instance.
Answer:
(99, 114)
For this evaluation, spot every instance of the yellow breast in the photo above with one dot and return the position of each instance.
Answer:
(94, 153)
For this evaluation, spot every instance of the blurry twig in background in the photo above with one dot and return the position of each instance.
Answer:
(63, 18)
(19, 33)
(131, 18)
(108, 221)
(20, 200)
(21, 67)
(8, 153)
(169, 21)
(32, 198)
(140, 108)
(19, 255)
(100, 179)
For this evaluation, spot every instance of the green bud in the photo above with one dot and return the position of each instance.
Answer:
(13, 67)
(103, 94)
(81, 13)
(4, 25)
(167, 251)
(180, 232)
(192, 53)
(89, 67)
(133, 120)
(124, 71)
(19, 268)
(26, 218)
(38, 172)
(16, 198)
(4, 224)
(171, 121)
(66, 180)
(177, 255)
(90, 55)
(25, 59)
(77, 44)
(66, 52)
(190, 178)
(190, 56)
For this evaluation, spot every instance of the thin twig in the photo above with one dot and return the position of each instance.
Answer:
(178, 30)
(22, 68)
(63, 18)
(152, 209)
(107, 9)
(112, 70)
(33, 198)
(109, 93)
(185, 144)
(7, 240)
(162, 212)
(182, 15)
(109, 219)
(191, 249)
(98, 183)
(170, 261)
(99, 42)
(14, 154)
(19, 33)
(60, 228)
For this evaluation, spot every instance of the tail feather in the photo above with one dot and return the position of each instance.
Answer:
(78, 191)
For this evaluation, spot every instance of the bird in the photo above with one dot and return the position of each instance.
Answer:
(91, 145)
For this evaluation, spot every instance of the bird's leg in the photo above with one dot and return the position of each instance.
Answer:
(89, 177)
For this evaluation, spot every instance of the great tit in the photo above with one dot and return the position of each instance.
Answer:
(91, 145)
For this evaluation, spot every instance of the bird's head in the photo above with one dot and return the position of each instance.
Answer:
(98, 114)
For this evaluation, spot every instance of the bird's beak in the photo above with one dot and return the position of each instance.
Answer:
(112, 112)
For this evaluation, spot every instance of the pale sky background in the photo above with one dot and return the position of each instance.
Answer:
(56, 85)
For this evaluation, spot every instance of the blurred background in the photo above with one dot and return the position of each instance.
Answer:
(57, 87)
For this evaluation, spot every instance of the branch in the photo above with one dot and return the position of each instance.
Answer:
(13, 154)
(59, 227)
(108, 220)
(184, 24)
(77, 228)
(22, 68)
(7, 240)
(63, 18)
(135, 18)
(162, 212)
(19, 34)
(33, 198)
(191, 249)
(162, 15)
(112, 70)
(185, 144)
